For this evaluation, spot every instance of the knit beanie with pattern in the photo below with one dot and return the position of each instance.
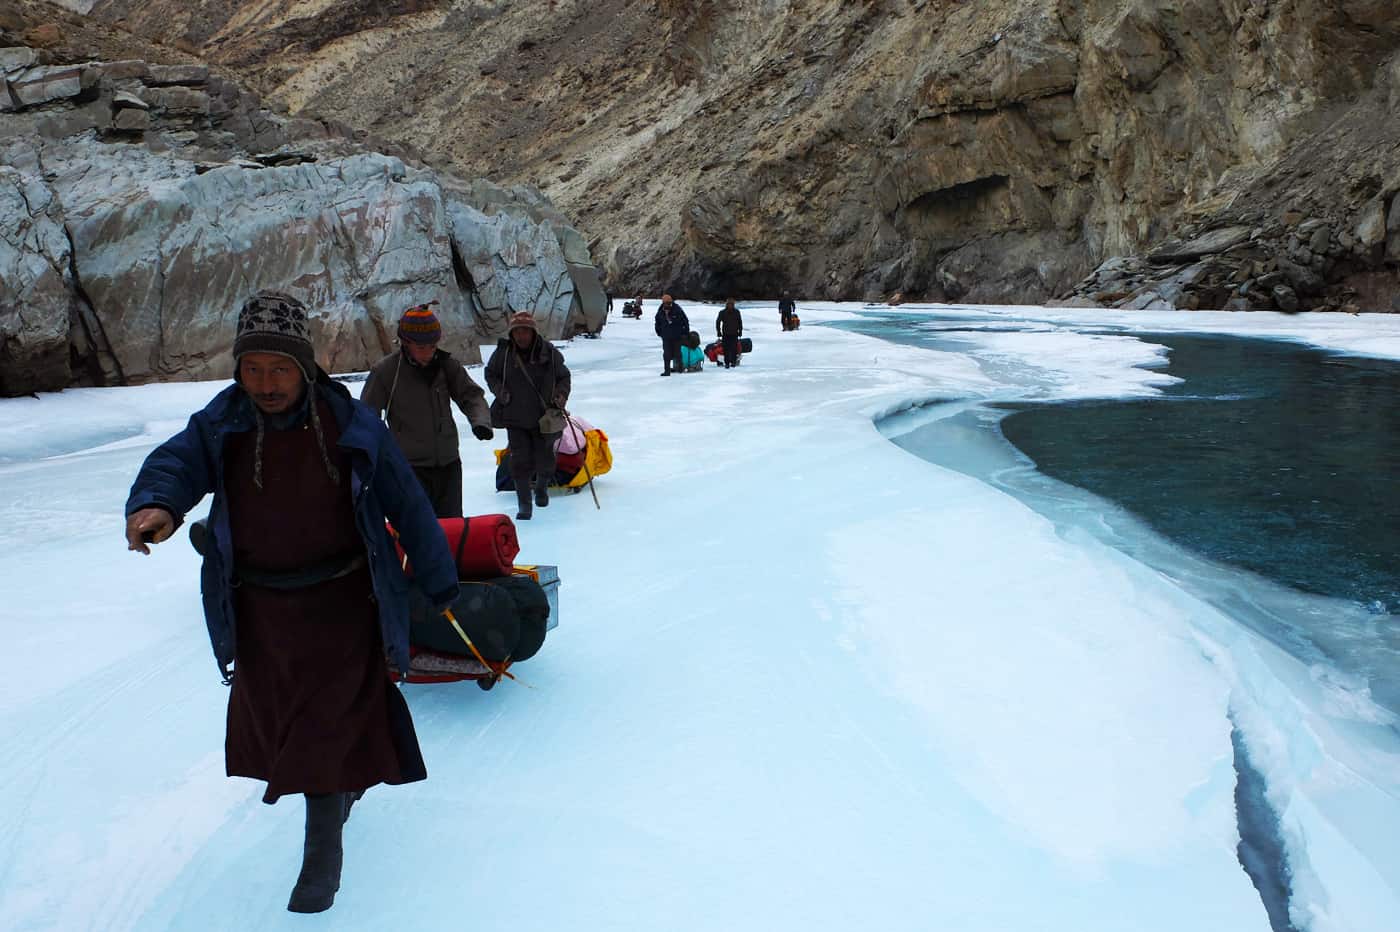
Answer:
(420, 325)
(274, 322)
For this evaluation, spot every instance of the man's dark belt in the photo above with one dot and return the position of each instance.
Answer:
(312, 575)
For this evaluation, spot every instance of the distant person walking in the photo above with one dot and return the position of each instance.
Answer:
(729, 327)
(671, 326)
(297, 554)
(416, 387)
(527, 375)
(786, 308)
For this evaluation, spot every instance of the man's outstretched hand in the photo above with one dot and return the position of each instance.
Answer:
(148, 526)
(482, 433)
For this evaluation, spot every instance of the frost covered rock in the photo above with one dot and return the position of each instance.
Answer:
(521, 253)
(167, 254)
(138, 218)
(15, 58)
(39, 85)
(36, 297)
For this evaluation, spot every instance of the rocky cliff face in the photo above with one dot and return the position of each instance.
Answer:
(990, 151)
(993, 151)
(140, 204)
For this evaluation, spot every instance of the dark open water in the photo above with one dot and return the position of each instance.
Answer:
(1272, 457)
(1269, 456)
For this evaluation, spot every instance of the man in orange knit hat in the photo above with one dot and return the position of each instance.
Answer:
(416, 387)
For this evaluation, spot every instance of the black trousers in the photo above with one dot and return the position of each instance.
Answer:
(531, 454)
(670, 350)
(444, 487)
(731, 350)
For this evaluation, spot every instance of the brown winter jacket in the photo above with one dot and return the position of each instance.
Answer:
(518, 404)
(419, 401)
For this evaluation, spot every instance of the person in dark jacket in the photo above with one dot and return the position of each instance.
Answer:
(417, 387)
(526, 373)
(786, 308)
(303, 593)
(671, 327)
(729, 327)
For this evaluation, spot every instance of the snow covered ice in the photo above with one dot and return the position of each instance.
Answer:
(803, 680)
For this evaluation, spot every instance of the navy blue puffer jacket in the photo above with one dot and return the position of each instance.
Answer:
(188, 466)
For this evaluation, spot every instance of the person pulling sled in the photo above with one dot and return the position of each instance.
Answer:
(729, 327)
(303, 477)
(527, 376)
(786, 309)
(414, 389)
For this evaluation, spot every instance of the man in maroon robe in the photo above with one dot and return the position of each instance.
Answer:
(303, 594)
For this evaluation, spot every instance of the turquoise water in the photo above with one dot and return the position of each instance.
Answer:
(1275, 458)
(1269, 457)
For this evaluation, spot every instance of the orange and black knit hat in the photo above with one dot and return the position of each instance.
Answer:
(420, 325)
(523, 319)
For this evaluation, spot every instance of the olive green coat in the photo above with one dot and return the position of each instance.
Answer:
(419, 402)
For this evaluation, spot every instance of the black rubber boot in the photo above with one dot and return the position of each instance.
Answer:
(322, 855)
(542, 494)
(522, 497)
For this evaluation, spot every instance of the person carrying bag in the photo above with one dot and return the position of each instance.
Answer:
(527, 376)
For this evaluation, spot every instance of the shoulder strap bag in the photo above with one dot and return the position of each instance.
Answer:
(554, 418)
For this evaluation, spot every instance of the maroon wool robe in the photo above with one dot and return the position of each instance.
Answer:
(312, 708)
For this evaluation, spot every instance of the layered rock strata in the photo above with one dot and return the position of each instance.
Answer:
(992, 151)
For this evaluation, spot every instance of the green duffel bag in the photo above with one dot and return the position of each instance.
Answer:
(504, 617)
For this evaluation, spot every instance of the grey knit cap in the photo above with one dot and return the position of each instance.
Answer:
(274, 322)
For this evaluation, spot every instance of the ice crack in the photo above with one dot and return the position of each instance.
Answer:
(1261, 850)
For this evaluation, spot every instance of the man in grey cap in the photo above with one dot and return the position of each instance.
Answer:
(303, 592)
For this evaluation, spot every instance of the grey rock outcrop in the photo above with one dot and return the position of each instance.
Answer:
(138, 211)
(36, 298)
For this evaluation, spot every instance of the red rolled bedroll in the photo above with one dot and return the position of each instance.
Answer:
(485, 546)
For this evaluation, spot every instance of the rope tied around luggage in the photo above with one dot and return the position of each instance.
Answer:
(498, 669)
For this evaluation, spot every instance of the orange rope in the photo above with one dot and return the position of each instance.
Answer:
(497, 669)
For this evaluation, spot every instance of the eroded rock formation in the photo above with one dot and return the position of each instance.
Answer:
(992, 151)
(141, 203)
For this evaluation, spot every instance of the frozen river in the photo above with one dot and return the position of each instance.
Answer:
(1264, 472)
(803, 679)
